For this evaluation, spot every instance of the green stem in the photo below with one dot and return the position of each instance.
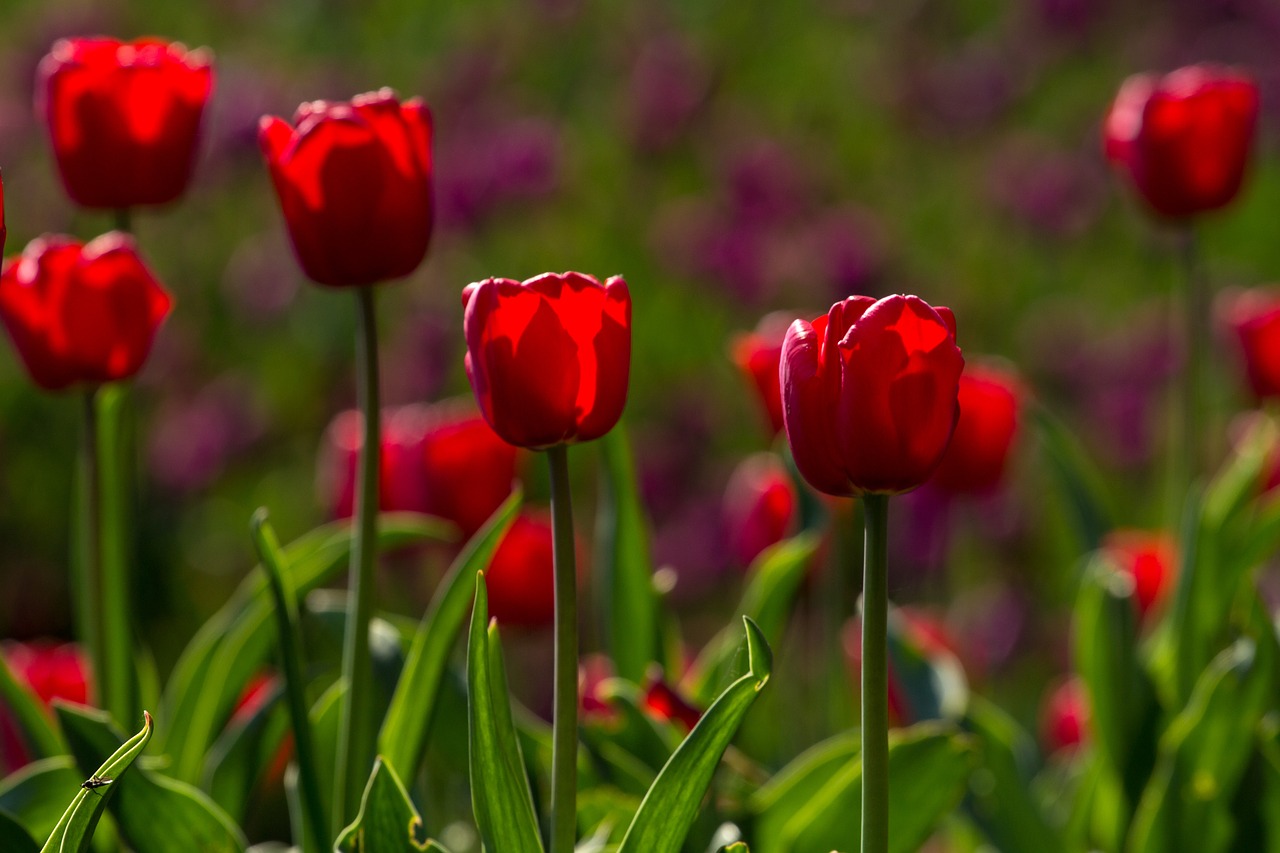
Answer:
(564, 750)
(286, 611)
(1196, 309)
(358, 729)
(114, 494)
(124, 220)
(89, 563)
(875, 678)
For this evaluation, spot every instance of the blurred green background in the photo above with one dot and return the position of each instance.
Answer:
(729, 159)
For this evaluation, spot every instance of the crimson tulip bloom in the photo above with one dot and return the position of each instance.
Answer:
(50, 672)
(869, 394)
(759, 506)
(1254, 318)
(1185, 138)
(1064, 719)
(81, 313)
(757, 355)
(990, 399)
(521, 577)
(662, 701)
(123, 117)
(1150, 559)
(354, 184)
(549, 358)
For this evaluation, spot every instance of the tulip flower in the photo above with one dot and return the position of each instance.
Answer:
(1184, 139)
(123, 117)
(990, 400)
(521, 578)
(662, 701)
(81, 313)
(549, 358)
(757, 355)
(50, 672)
(759, 507)
(1253, 316)
(869, 394)
(1064, 718)
(354, 184)
(1150, 559)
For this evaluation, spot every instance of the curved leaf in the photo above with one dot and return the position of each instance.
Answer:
(387, 821)
(35, 794)
(671, 805)
(14, 838)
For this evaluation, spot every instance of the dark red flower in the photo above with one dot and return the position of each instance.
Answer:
(1254, 318)
(521, 578)
(123, 117)
(757, 355)
(549, 358)
(81, 313)
(441, 460)
(869, 394)
(990, 399)
(1149, 558)
(1064, 719)
(354, 184)
(759, 507)
(1184, 139)
(51, 672)
(662, 701)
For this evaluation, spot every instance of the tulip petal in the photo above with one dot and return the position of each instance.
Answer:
(807, 410)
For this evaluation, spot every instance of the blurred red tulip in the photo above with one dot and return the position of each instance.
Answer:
(1149, 558)
(1184, 139)
(757, 355)
(869, 394)
(759, 507)
(593, 671)
(549, 358)
(663, 702)
(51, 672)
(990, 399)
(1064, 718)
(441, 460)
(81, 313)
(1254, 318)
(123, 117)
(521, 579)
(354, 184)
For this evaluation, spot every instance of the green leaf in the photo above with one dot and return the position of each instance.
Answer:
(1080, 481)
(387, 821)
(242, 753)
(671, 805)
(13, 837)
(326, 722)
(38, 734)
(797, 784)
(155, 813)
(929, 765)
(403, 738)
(629, 604)
(772, 582)
(500, 795)
(75, 829)
(237, 641)
(1000, 799)
(36, 793)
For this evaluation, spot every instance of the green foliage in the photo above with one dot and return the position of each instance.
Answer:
(387, 821)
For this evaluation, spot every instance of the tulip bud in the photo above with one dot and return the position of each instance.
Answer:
(123, 117)
(759, 507)
(757, 355)
(1253, 316)
(1064, 719)
(521, 577)
(662, 701)
(990, 398)
(1150, 559)
(50, 672)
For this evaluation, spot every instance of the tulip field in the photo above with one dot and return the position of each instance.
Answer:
(539, 427)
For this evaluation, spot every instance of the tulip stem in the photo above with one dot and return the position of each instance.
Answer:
(89, 558)
(124, 220)
(1196, 351)
(875, 679)
(354, 759)
(564, 750)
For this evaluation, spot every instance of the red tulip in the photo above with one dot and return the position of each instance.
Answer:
(662, 701)
(50, 672)
(1184, 139)
(81, 313)
(1254, 317)
(990, 398)
(520, 579)
(441, 460)
(549, 358)
(354, 183)
(869, 394)
(1064, 719)
(759, 506)
(123, 117)
(757, 355)
(1149, 558)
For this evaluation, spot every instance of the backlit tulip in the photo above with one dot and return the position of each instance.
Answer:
(757, 354)
(662, 701)
(123, 117)
(549, 358)
(1184, 139)
(990, 399)
(1253, 316)
(759, 507)
(1150, 559)
(354, 184)
(869, 394)
(1064, 719)
(520, 578)
(81, 313)
(50, 672)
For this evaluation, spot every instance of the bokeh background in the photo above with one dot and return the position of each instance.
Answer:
(730, 159)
